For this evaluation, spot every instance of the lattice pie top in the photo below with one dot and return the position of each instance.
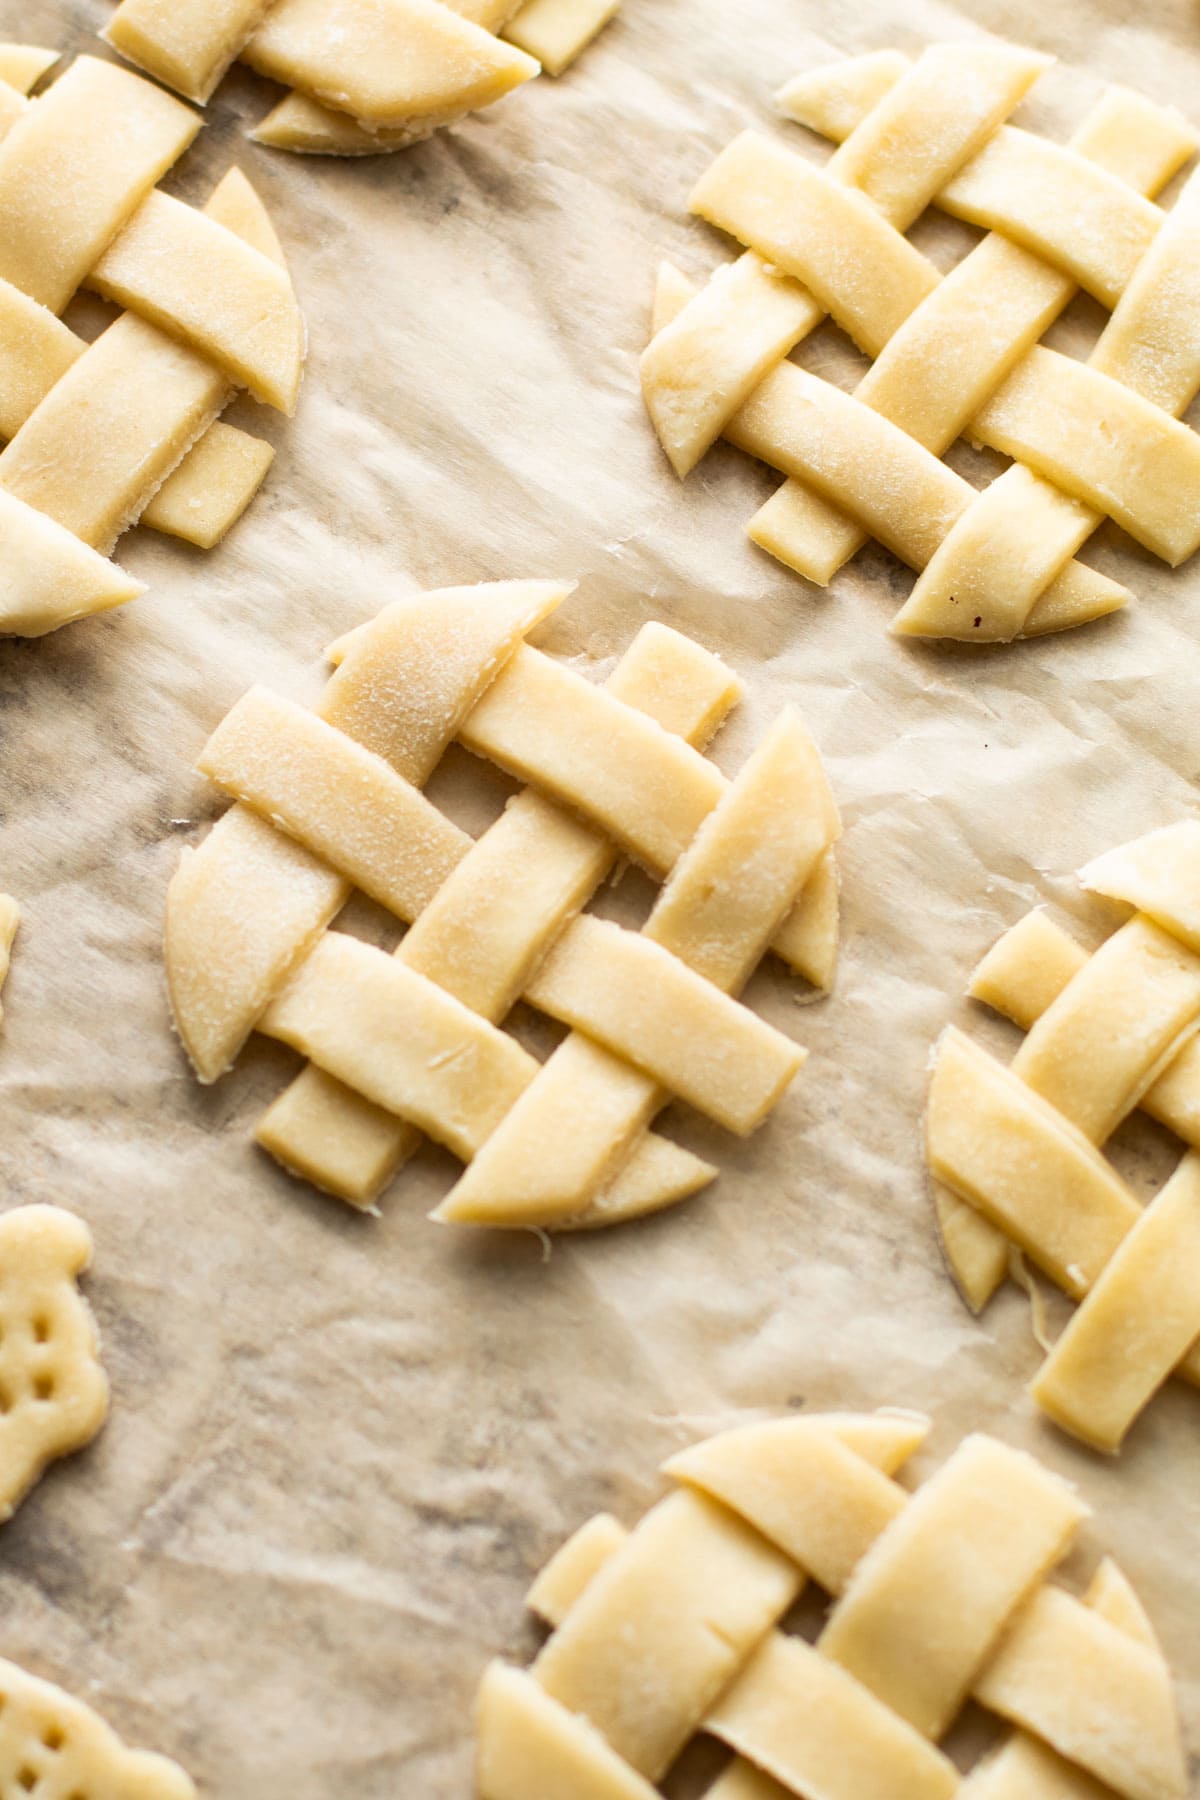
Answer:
(954, 355)
(938, 1597)
(367, 75)
(411, 1042)
(1020, 1147)
(104, 434)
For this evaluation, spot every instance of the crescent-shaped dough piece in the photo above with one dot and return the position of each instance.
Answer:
(48, 578)
(62, 1741)
(836, 97)
(529, 1744)
(924, 1581)
(23, 65)
(385, 62)
(301, 124)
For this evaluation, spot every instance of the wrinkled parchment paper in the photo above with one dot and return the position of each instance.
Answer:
(340, 1446)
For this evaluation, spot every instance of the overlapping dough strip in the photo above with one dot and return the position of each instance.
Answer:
(1105, 1033)
(1001, 561)
(98, 431)
(671, 1629)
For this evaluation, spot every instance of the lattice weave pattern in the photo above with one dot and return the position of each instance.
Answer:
(124, 428)
(955, 355)
(1019, 1148)
(365, 75)
(411, 1042)
(938, 1597)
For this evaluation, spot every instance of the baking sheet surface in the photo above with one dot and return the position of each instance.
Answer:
(340, 1446)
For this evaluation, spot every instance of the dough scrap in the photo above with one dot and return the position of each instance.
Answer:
(69, 1749)
(103, 434)
(10, 919)
(674, 1628)
(53, 1393)
(1014, 1152)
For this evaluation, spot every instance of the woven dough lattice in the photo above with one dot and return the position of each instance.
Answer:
(938, 1597)
(365, 75)
(411, 1043)
(125, 428)
(1019, 1147)
(954, 355)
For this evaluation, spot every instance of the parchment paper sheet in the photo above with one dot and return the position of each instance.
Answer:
(340, 1447)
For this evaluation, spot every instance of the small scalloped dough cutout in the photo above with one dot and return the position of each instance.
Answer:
(557, 31)
(53, 1393)
(10, 919)
(55, 1744)
(673, 1628)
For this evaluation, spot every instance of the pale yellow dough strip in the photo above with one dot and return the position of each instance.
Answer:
(112, 429)
(1098, 1047)
(948, 357)
(773, 823)
(244, 908)
(489, 925)
(692, 1039)
(199, 281)
(1026, 971)
(342, 802)
(1004, 1151)
(302, 125)
(822, 1733)
(385, 62)
(1159, 874)
(1094, 1693)
(1137, 1324)
(36, 350)
(206, 495)
(557, 31)
(834, 98)
(10, 919)
(924, 1582)
(186, 44)
(402, 1041)
(74, 168)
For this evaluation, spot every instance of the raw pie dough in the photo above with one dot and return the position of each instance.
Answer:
(53, 1745)
(124, 429)
(365, 75)
(938, 1596)
(955, 355)
(331, 800)
(53, 1394)
(1019, 1149)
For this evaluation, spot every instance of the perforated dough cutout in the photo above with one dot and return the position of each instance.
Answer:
(53, 1747)
(365, 75)
(954, 355)
(1018, 1151)
(937, 1597)
(125, 429)
(412, 1043)
(53, 1394)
